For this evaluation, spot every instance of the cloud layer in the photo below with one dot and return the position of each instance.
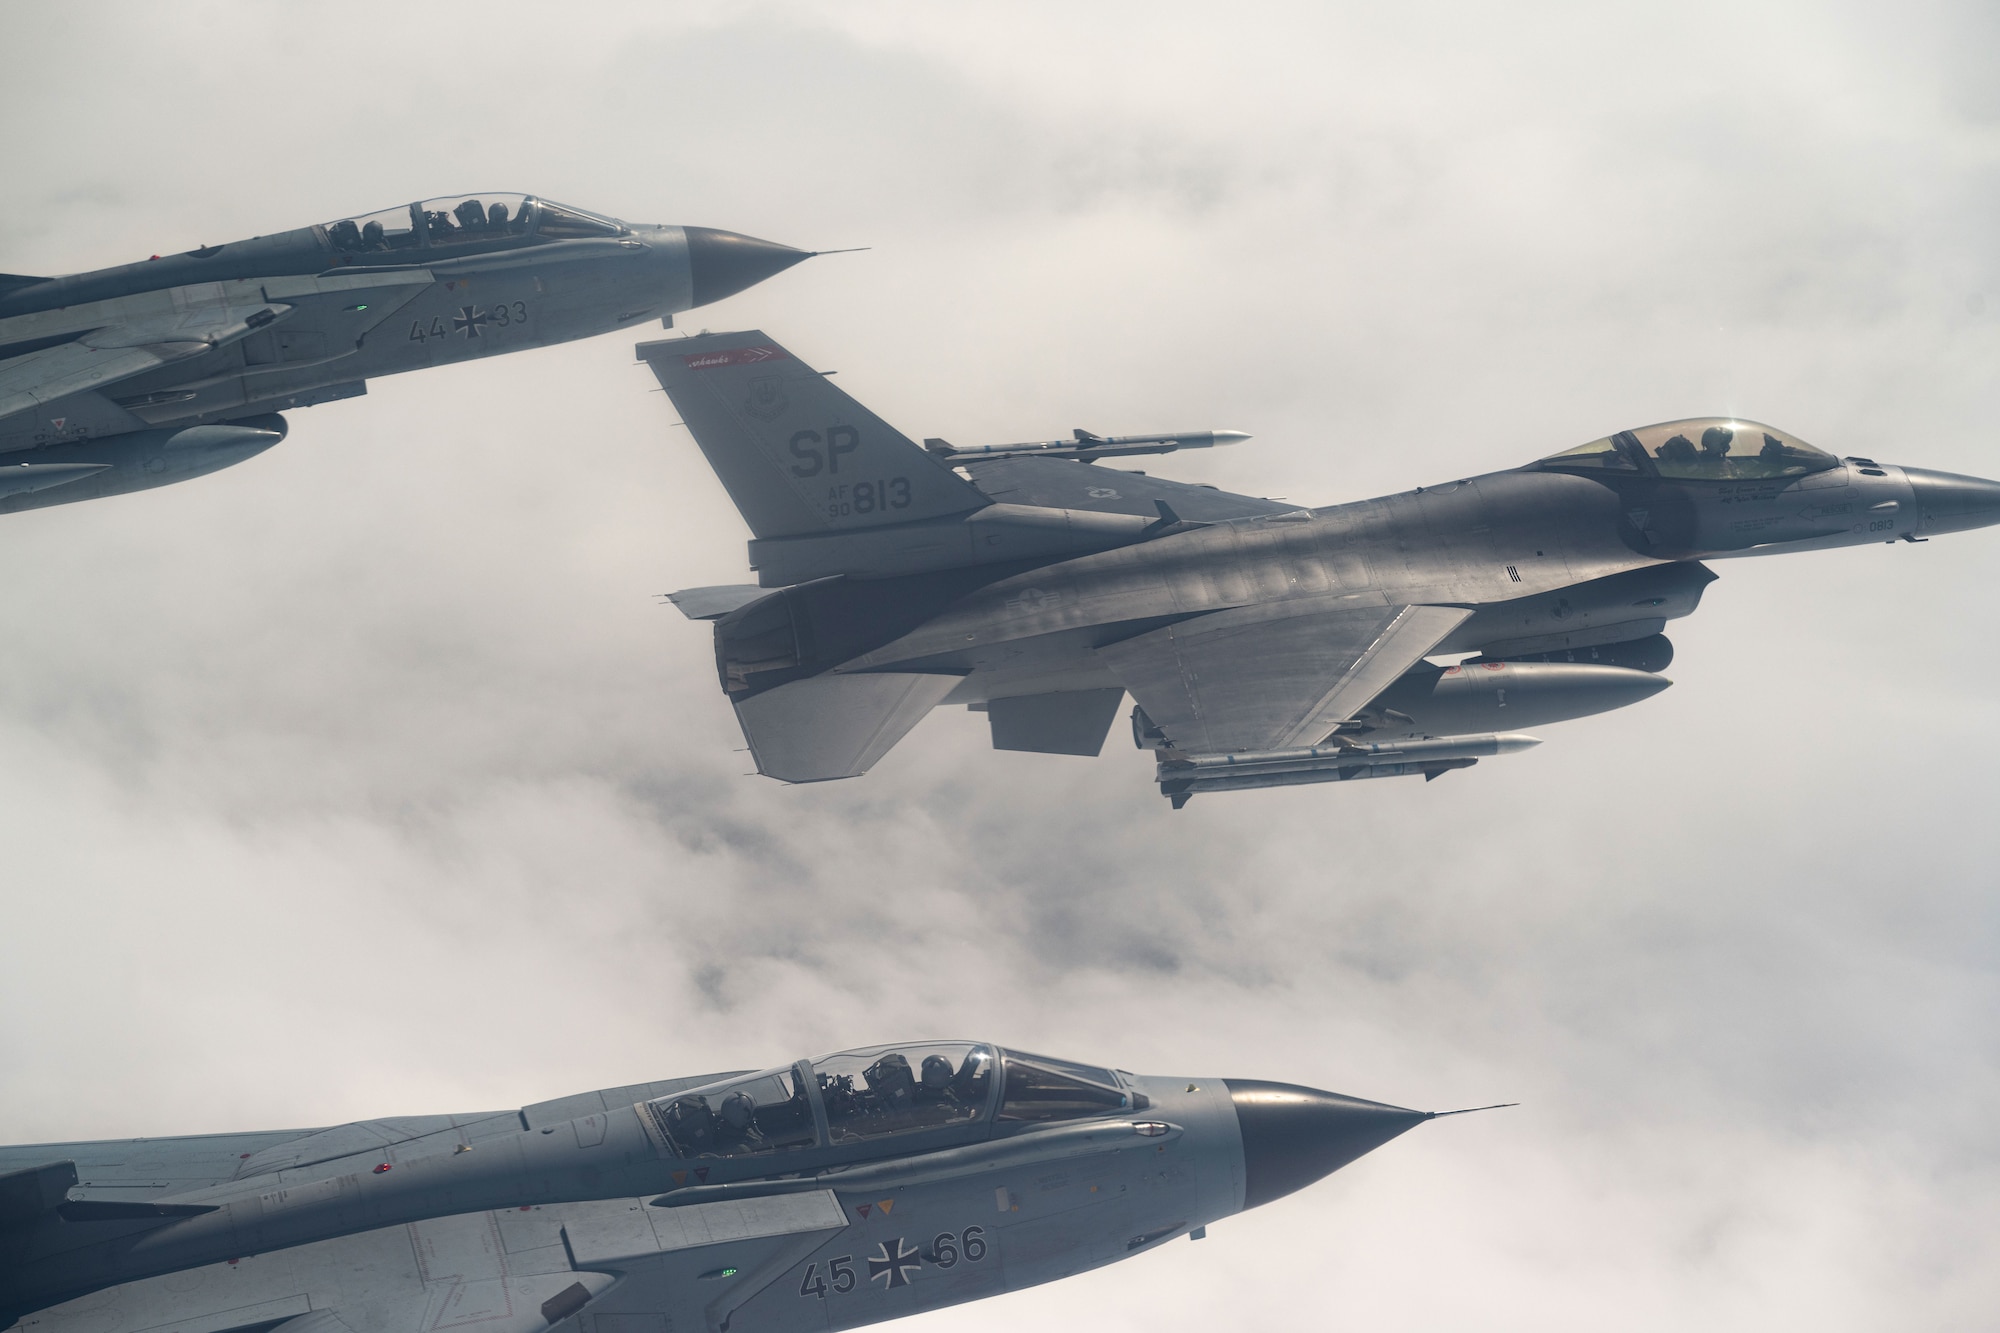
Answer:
(372, 776)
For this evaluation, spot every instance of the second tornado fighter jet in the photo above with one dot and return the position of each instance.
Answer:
(1264, 644)
(827, 1193)
(155, 372)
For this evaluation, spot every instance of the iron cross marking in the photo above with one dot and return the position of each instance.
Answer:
(468, 320)
(892, 1263)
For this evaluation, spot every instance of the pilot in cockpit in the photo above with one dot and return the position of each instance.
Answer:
(938, 1084)
(934, 1082)
(1715, 442)
(1679, 449)
(692, 1126)
(890, 1079)
(736, 1130)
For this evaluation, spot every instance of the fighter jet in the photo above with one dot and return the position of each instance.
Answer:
(155, 372)
(1264, 644)
(827, 1193)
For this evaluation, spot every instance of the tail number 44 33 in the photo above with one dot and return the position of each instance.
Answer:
(895, 1263)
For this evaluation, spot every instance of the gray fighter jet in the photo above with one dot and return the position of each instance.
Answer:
(1265, 644)
(827, 1193)
(155, 372)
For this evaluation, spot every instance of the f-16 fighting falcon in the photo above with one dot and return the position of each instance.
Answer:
(1264, 644)
(820, 1194)
(155, 372)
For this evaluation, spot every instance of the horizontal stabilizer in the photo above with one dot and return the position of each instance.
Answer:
(992, 535)
(27, 1194)
(714, 603)
(832, 726)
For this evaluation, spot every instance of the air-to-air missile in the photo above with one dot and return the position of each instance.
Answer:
(132, 377)
(1264, 644)
(819, 1194)
(1084, 447)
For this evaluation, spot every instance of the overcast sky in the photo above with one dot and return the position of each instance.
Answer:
(372, 777)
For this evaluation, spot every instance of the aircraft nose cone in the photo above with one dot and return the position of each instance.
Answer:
(1292, 1136)
(725, 262)
(1947, 502)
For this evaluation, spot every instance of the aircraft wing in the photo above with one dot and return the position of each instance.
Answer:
(514, 1270)
(93, 362)
(144, 1170)
(1272, 677)
(95, 344)
(137, 1169)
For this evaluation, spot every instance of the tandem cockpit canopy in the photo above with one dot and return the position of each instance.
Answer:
(1698, 449)
(466, 222)
(878, 1091)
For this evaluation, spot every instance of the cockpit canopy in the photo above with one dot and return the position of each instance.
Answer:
(878, 1091)
(463, 222)
(1698, 449)
(896, 1089)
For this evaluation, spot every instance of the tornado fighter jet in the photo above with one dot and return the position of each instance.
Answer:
(827, 1193)
(1264, 644)
(167, 369)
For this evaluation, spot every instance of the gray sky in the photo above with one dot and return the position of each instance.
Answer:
(370, 777)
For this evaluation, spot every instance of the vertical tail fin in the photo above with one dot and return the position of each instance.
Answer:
(798, 456)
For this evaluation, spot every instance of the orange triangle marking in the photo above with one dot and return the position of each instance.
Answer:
(680, 1177)
(886, 1204)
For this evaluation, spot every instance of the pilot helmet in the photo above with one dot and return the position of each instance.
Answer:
(691, 1123)
(739, 1110)
(889, 1073)
(937, 1072)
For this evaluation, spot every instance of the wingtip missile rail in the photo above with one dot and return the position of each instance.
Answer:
(1086, 446)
